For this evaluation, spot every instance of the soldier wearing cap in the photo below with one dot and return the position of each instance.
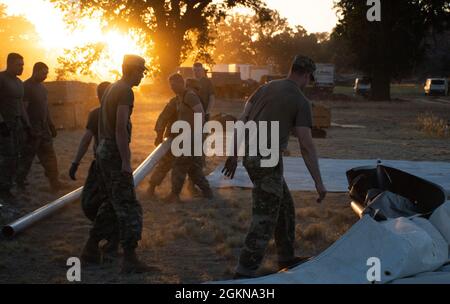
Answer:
(121, 211)
(206, 89)
(43, 131)
(13, 122)
(163, 129)
(273, 208)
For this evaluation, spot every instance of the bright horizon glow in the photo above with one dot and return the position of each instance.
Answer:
(53, 33)
(314, 15)
(55, 36)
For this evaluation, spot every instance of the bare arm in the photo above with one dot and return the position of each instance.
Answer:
(231, 162)
(123, 112)
(310, 158)
(84, 146)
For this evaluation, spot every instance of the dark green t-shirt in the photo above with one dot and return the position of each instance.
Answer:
(206, 90)
(36, 97)
(282, 101)
(185, 107)
(117, 94)
(11, 96)
(92, 124)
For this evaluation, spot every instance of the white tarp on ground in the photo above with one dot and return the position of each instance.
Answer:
(409, 250)
(333, 173)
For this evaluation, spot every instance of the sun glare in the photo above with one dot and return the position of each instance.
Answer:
(56, 36)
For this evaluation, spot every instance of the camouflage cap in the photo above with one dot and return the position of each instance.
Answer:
(134, 60)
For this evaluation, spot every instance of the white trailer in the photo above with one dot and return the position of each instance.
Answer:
(325, 76)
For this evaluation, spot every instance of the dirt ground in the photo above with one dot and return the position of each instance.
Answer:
(199, 241)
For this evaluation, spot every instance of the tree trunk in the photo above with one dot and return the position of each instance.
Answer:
(381, 84)
(168, 49)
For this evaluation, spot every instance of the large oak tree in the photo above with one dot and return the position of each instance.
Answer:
(168, 24)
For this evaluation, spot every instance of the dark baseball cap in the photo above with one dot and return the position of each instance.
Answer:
(134, 60)
(305, 63)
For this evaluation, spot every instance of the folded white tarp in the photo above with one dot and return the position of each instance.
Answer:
(409, 250)
(333, 173)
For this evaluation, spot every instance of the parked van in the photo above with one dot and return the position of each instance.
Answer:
(362, 86)
(436, 86)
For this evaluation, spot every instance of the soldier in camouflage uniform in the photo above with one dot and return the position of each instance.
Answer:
(115, 174)
(273, 207)
(40, 143)
(13, 122)
(92, 197)
(188, 104)
(162, 128)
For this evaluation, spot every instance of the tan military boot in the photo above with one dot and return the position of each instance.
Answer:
(131, 264)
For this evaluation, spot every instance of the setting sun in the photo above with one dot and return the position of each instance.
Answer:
(53, 33)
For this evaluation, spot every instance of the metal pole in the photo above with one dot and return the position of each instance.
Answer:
(357, 208)
(29, 219)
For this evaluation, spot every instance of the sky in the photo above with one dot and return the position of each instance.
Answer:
(313, 15)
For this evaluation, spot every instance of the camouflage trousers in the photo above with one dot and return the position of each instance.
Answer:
(162, 168)
(42, 147)
(192, 167)
(273, 215)
(9, 154)
(121, 211)
(92, 198)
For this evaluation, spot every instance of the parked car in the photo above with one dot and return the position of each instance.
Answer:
(362, 86)
(436, 86)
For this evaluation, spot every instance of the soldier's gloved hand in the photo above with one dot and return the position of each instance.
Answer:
(4, 130)
(158, 140)
(230, 167)
(73, 171)
(53, 130)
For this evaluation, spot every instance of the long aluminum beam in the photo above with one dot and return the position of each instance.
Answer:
(27, 220)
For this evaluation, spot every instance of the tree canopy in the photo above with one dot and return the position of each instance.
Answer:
(174, 27)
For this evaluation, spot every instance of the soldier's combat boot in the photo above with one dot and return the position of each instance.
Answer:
(151, 190)
(294, 262)
(91, 252)
(172, 199)
(112, 247)
(131, 263)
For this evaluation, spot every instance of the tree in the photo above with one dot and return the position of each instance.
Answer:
(78, 61)
(169, 24)
(393, 46)
(244, 39)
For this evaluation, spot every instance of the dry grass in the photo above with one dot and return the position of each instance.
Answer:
(315, 232)
(433, 125)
